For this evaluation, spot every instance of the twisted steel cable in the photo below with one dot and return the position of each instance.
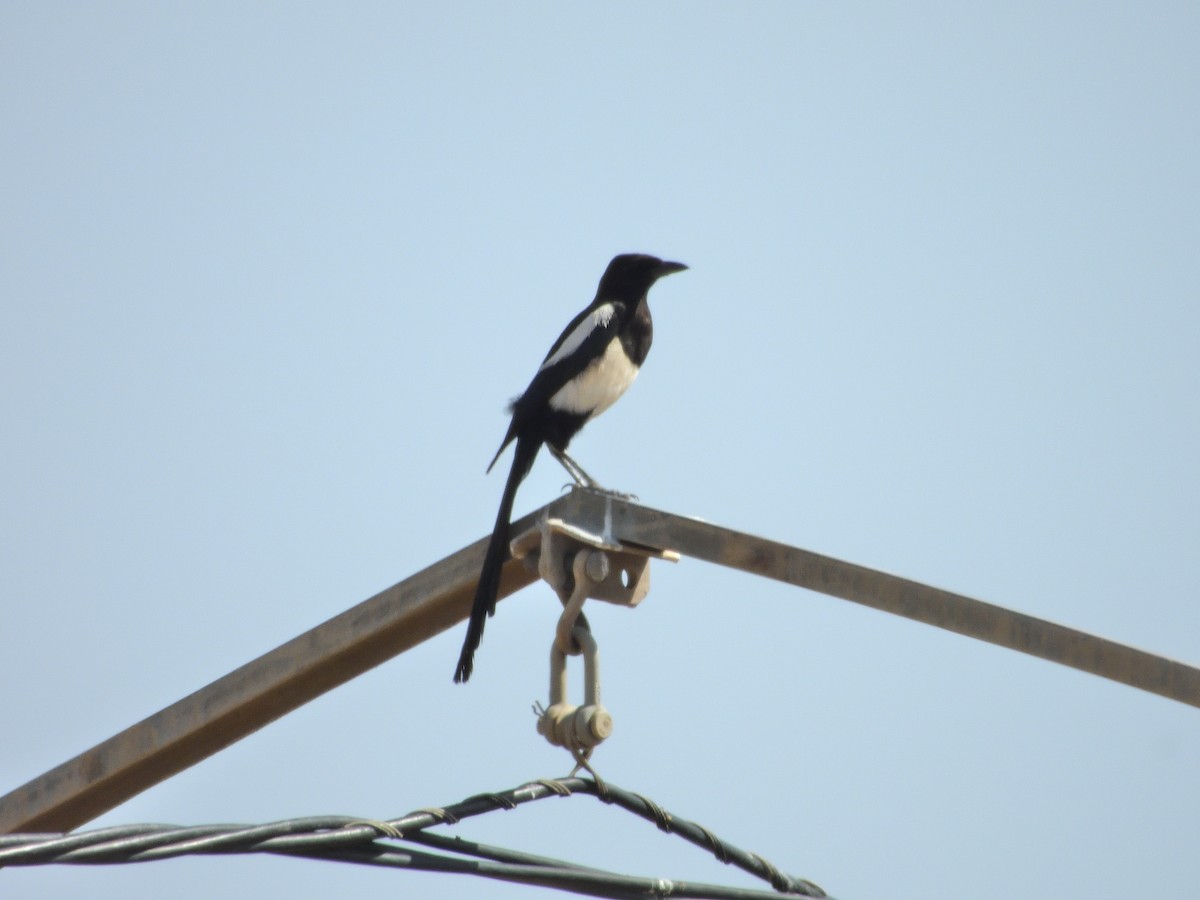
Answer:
(366, 842)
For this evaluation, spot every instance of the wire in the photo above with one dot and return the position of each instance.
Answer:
(367, 842)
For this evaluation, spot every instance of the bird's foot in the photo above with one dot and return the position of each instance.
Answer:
(608, 492)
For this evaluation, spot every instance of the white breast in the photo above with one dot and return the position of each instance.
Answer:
(599, 385)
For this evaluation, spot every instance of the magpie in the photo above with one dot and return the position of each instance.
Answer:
(588, 368)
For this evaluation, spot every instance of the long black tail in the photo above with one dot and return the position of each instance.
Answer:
(493, 560)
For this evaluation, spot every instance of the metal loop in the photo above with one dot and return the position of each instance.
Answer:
(555, 785)
(577, 728)
(387, 829)
(662, 818)
(497, 800)
(439, 814)
(588, 568)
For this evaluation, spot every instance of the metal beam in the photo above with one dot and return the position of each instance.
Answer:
(633, 524)
(256, 694)
(436, 598)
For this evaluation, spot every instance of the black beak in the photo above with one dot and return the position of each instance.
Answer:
(669, 268)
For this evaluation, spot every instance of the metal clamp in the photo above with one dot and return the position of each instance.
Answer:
(550, 548)
(578, 565)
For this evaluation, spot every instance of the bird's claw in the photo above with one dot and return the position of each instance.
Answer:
(609, 492)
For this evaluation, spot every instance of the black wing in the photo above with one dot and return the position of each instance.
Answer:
(581, 343)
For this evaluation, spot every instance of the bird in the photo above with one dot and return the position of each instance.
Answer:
(593, 362)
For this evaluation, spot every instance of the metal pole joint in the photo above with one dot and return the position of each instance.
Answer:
(578, 564)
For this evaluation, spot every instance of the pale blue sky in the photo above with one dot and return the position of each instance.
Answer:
(269, 272)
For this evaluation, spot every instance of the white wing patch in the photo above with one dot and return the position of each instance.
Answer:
(598, 319)
(598, 386)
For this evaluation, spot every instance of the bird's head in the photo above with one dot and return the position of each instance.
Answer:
(630, 275)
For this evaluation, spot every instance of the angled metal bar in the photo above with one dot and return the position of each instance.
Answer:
(259, 692)
(436, 598)
(630, 523)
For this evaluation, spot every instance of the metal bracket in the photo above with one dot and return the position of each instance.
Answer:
(551, 545)
(579, 564)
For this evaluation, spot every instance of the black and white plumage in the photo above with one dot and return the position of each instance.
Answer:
(590, 366)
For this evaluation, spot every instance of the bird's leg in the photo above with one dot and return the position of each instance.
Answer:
(582, 478)
(574, 469)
